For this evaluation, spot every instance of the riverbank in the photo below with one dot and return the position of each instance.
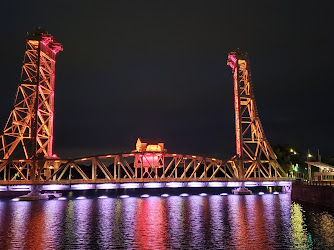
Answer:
(316, 193)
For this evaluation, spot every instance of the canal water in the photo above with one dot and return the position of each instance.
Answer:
(195, 222)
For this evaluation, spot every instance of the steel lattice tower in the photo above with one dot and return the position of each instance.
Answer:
(254, 155)
(28, 133)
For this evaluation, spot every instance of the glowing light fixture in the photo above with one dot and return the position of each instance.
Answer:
(203, 194)
(216, 184)
(261, 193)
(223, 194)
(124, 196)
(184, 195)
(164, 195)
(103, 197)
(276, 192)
(144, 196)
(130, 185)
(174, 184)
(62, 198)
(81, 198)
(15, 199)
(153, 185)
(233, 184)
(106, 186)
(196, 184)
(268, 183)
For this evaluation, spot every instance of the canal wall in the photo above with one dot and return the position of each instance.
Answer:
(316, 193)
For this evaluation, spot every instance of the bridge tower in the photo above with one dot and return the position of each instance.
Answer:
(28, 133)
(254, 155)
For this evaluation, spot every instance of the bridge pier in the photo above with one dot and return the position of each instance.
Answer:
(36, 194)
(242, 190)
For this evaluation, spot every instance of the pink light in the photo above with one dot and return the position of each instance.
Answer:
(149, 160)
(55, 187)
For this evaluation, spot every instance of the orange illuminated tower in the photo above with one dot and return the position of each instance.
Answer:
(28, 133)
(254, 155)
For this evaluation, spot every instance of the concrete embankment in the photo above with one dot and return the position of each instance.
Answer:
(317, 193)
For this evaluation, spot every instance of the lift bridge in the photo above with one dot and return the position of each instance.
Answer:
(26, 143)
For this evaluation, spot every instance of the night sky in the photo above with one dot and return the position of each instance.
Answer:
(157, 70)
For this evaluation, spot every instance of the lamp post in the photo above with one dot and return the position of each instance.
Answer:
(309, 166)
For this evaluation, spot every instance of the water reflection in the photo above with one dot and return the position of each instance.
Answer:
(151, 224)
(299, 234)
(212, 222)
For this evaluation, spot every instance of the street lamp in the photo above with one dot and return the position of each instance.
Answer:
(309, 166)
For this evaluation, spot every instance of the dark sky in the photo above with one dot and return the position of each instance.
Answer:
(157, 70)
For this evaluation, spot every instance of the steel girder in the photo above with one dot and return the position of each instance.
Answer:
(116, 168)
(254, 155)
(29, 128)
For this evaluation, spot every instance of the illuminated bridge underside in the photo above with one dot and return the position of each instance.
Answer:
(120, 168)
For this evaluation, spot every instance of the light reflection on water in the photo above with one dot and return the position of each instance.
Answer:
(212, 222)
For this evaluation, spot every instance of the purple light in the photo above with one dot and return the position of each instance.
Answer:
(223, 194)
(82, 186)
(196, 184)
(144, 196)
(164, 195)
(15, 199)
(130, 185)
(216, 184)
(233, 184)
(203, 194)
(81, 198)
(174, 184)
(3, 188)
(62, 198)
(250, 184)
(20, 188)
(184, 195)
(124, 196)
(261, 193)
(106, 186)
(276, 193)
(103, 197)
(55, 187)
(284, 183)
(268, 183)
(153, 185)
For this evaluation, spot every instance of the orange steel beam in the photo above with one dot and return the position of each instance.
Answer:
(254, 155)
(28, 132)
